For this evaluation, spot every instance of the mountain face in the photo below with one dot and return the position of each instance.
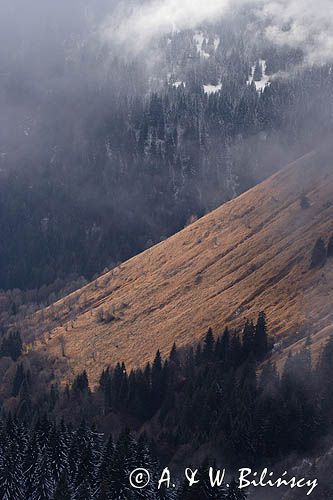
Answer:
(251, 254)
(102, 155)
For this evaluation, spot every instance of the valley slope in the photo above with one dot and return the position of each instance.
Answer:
(251, 254)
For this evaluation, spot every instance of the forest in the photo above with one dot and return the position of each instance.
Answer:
(135, 153)
(108, 148)
(225, 395)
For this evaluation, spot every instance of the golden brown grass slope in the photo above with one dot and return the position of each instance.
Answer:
(251, 254)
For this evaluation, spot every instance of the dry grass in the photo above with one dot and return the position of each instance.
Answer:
(250, 254)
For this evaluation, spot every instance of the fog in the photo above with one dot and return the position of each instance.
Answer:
(34, 34)
(299, 23)
(55, 52)
(70, 123)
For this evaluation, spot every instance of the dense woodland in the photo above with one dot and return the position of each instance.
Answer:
(225, 396)
(103, 154)
(59, 463)
(122, 155)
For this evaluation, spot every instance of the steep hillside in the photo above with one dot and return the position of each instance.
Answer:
(250, 254)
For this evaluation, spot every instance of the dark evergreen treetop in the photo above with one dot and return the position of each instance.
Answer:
(218, 399)
(319, 254)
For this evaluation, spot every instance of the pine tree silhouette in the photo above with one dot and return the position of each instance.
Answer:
(319, 253)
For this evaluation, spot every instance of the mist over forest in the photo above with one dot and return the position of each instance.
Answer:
(121, 122)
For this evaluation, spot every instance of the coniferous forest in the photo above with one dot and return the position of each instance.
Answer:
(117, 132)
(225, 396)
(111, 156)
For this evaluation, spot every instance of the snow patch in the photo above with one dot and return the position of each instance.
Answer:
(199, 39)
(178, 84)
(217, 41)
(264, 82)
(212, 89)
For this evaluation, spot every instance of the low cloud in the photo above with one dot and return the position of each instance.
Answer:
(141, 24)
(303, 24)
(299, 23)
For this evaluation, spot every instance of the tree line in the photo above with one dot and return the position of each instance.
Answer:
(224, 393)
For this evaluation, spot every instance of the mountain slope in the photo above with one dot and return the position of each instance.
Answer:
(251, 254)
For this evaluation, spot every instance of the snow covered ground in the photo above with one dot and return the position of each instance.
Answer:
(178, 84)
(199, 39)
(264, 82)
(212, 89)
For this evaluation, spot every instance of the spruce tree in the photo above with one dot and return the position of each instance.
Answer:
(103, 473)
(248, 339)
(11, 346)
(174, 357)
(304, 201)
(208, 346)
(11, 475)
(86, 469)
(81, 383)
(29, 463)
(84, 490)
(319, 253)
(235, 351)
(25, 406)
(119, 387)
(62, 491)
(42, 481)
(261, 337)
(224, 348)
(18, 379)
(143, 458)
(122, 464)
(157, 382)
(58, 453)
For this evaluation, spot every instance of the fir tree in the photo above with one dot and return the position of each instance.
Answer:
(42, 481)
(25, 406)
(224, 348)
(11, 475)
(304, 201)
(144, 459)
(58, 453)
(18, 379)
(103, 474)
(157, 382)
(248, 339)
(318, 257)
(81, 383)
(122, 464)
(174, 357)
(62, 491)
(261, 337)
(235, 352)
(84, 491)
(208, 346)
(11, 346)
